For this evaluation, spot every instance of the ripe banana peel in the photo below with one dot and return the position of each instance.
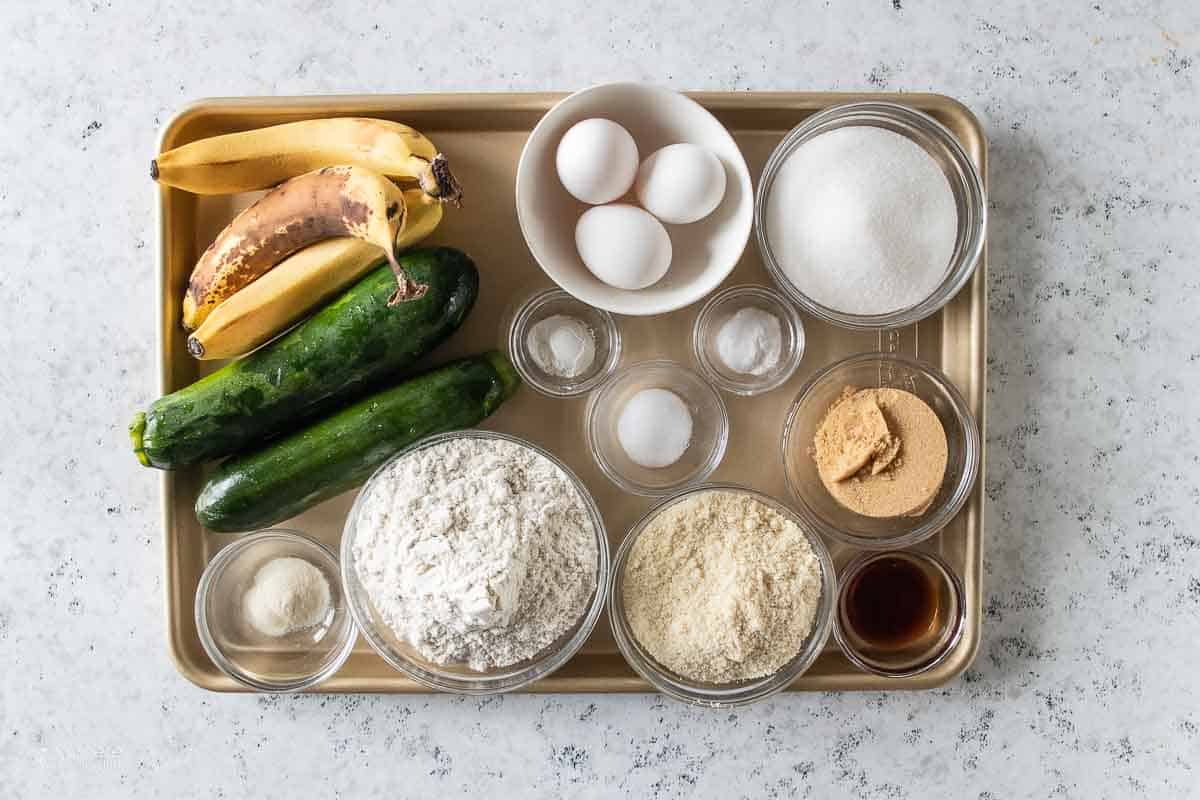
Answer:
(324, 204)
(299, 284)
(262, 158)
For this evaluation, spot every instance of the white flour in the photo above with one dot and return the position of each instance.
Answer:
(476, 551)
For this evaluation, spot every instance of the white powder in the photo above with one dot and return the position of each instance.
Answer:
(862, 220)
(751, 341)
(476, 551)
(655, 428)
(288, 594)
(562, 346)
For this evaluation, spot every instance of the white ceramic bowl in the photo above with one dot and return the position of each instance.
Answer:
(704, 252)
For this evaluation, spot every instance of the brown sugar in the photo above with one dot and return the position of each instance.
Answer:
(881, 452)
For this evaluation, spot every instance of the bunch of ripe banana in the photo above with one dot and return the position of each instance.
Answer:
(332, 214)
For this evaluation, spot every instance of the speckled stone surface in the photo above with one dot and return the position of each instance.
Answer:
(1085, 685)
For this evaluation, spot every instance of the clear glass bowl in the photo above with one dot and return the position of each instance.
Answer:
(820, 510)
(287, 663)
(928, 650)
(964, 180)
(720, 695)
(458, 678)
(548, 303)
(710, 428)
(718, 310)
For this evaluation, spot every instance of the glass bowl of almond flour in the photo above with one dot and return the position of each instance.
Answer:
(721, 597)
(475, 562)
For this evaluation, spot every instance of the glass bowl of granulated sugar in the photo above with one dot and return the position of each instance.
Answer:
(870, 215)
(721, 597)
(475, 562)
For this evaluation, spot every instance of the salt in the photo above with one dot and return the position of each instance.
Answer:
(562, 346)
(655, 428)
(862, 220)
(750, 341)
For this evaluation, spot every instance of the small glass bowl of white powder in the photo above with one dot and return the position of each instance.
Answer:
(561, 346)
(870, 215)
(748, 340)
(270, 612)
(656, 427)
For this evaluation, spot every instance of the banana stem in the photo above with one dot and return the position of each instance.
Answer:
(406, 288)
(438, 181)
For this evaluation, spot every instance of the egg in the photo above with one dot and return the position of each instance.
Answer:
(597, 161)
(680, 183)
(623, 245)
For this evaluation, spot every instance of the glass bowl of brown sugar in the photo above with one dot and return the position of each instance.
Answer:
(882, 494)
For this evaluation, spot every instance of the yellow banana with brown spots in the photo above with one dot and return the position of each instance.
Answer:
(261, 158)
(324, 204)
(301, 283)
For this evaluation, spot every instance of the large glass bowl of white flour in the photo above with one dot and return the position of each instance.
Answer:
(475, 562)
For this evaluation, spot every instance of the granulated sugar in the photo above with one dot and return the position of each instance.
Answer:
(721, 587)
(862, 220)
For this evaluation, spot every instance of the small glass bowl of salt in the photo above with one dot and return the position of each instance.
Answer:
(748, 340)
(561, 346)
(271, 614)
(657, 427)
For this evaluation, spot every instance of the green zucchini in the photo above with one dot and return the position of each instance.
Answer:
(302, 469)
(342, 351)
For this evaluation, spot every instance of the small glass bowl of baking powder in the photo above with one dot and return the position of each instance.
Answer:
(818, 508)
(966, 185)
(738, 693)
(286, 663)
(768, 369)
(561, 346)
(458, 678)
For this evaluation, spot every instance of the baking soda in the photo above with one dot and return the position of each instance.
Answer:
(751, 341)
(562, 346)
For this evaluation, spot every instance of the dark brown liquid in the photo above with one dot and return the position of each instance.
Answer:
(891, 603)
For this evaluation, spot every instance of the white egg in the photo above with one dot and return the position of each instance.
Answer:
(681, 183)
(597, 161)
(623, 245)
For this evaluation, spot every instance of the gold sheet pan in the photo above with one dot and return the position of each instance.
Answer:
(483, 135)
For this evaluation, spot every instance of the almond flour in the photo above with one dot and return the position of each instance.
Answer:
(720, 587)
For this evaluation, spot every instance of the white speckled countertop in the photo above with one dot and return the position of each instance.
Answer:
(1085, 683)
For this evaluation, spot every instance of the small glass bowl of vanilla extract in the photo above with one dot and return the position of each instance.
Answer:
(899, 612)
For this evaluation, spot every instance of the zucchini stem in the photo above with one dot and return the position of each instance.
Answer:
(136, 430)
